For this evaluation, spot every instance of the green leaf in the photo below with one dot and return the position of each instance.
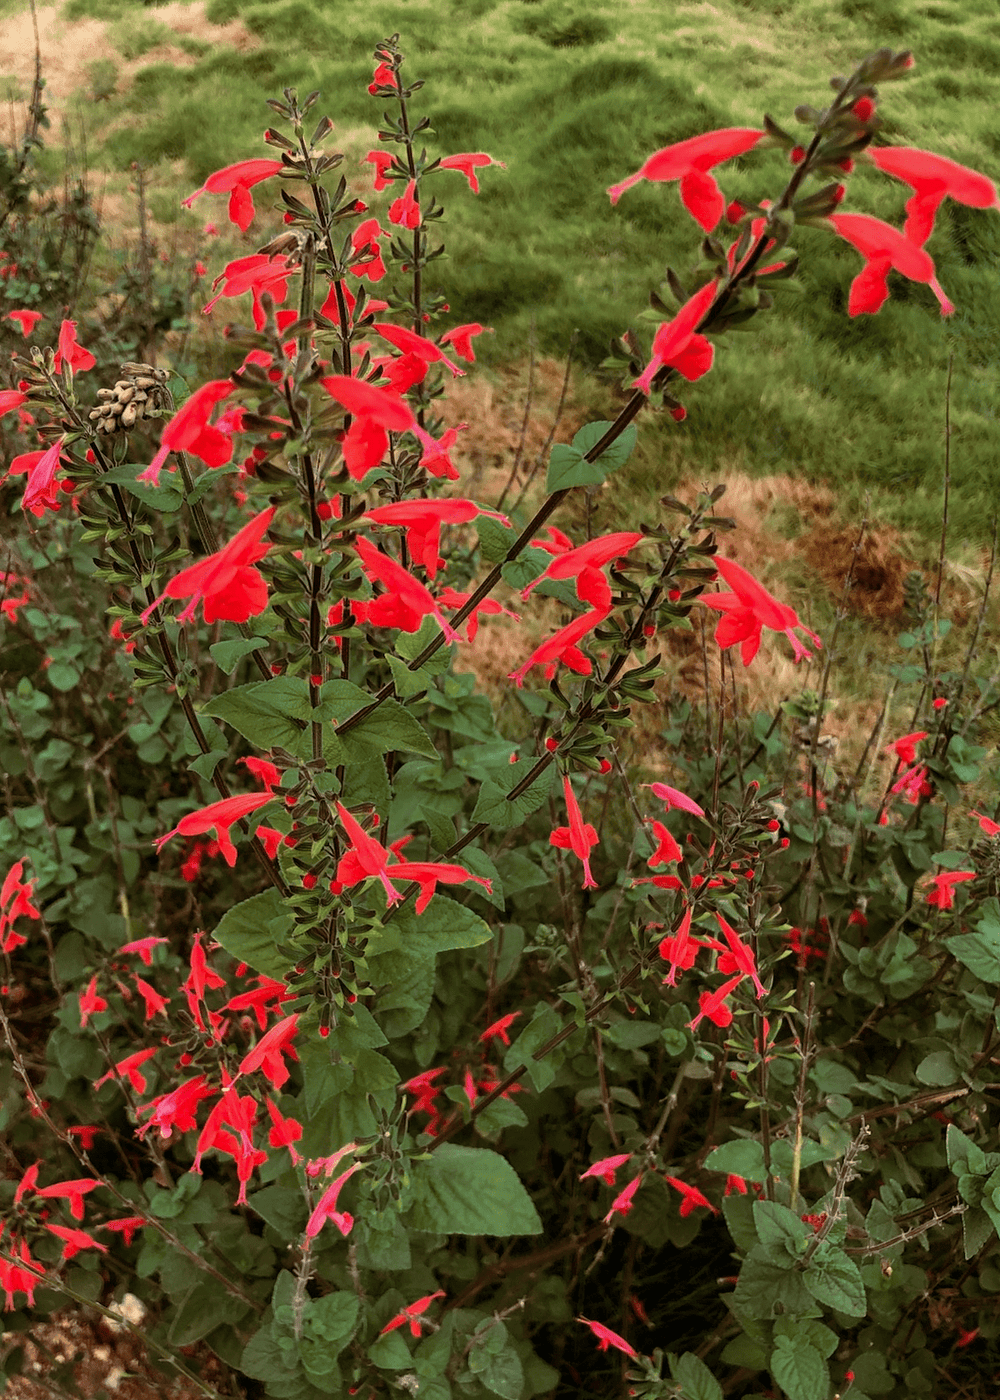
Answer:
(938, 1069)
(206, 1307)
(744, 1157)
(541, 1028)
(390, 1352)
(778, 1225)
(443, 925)
(251, 930)
(162, 500)
(979, 951)
(494, 808)
(406, 980)
(228, 655)
(282, 1208)
(470, 1191)
(267, 713)
(768, 1278)
(835, 1280)
(501, 1374)
(568, 468)
(964, 1156)
(389, 729)
(494, 539)
(694, 1377)
(799, 1369)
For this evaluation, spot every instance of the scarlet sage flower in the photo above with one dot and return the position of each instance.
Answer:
(673, 798)
(422, 521)
(942, 896)
(883, 248)
(427, 874)
(467, 163)
(452, 598)
(218, 817)
(376, 412)
(905, 748)
(327, 1207)
(71, 1191)
(144, 947)
(26, 320)
(931, 178)
(285, 1132)
(562, 647)
(70, 352)
(740, 958)
(412, 1315)
(74, 1240)
(677, 343)
(690, 161)
(625, 1199)
(226, 582)
(986, 824)
(401, 588)
(90, 1002)
(578, 837)
(680, 949)
(11, 399)
(693, 1199)
(267, 1053)
(129, 1068)
(606, 1168)
(748, 609)
(405, 210)
(383, 161)
(190, 431)
(413, 344)
(713, 1004)
(237, 181)
(667, 851)
(256, 273)
(42, 491)
(177, 1109)
(607, 1338)
(367, 256)
(499, 1029)
(461, 338)
(592, 555)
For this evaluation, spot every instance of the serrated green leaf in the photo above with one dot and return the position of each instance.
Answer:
(568, 467)
(228, 655)
(743, 1157)
(799, 1369)
(835, 1280)
(390, 1352)
(776, 1224)
(251, 930)
(494, 539)
(769, 1278)
(267, 713)
(206, 1307)
(443, 925)
(470, 1191)
(694, 1377)
(494, 807)
(979, 951)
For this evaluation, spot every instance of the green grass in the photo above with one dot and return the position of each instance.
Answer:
(573, 97)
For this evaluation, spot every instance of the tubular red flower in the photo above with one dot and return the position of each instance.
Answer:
(69, 351)
(713, 1005)
(405, 210)
(606, 1168)
(882, 248)
(237, 180)
(673, 798)
(693, 1199)
(932, 178)
(578, 837)
(749, 608)
(689, 161)
(607, 1338)
(218, 817)
(190, 431)
(468, 163)
(401, 586)
(942, 896)
(678, 344)
(422, 521)
(562, 647)
(411, 343)
(592, 555)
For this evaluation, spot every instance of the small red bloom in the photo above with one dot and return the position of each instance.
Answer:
(237, 181)
(607, 1338)
(748, 609)
(405, 210)
(403, 591)
(267, 1053)
(468, 163)
(69, 351)
(942, 896)
(713, 1005)
(625, 1199)
(735, 1183)
(498, 1030)
(412, 1315)
(592, 555)
(327, 1207)
(26, 320)
(932, 178)
(667, 851)
(690, 161)
(218, 817)
(693, 1199)
(578, 837)
(607, 1167)
(562, 647)
(90, 1002)
(882, 248)
(461, 338)
(673, 798)
(678, 344)
(905, 748)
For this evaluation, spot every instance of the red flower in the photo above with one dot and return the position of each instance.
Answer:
(932, 178)
(382, 161)
(127, 1226)
(905, 748)
(74, 1240)
(461, 338)
(672, 798)
(375, 411)
(176, 1109)
(267, 1053)
(498, 1029)
(667, 851)
(406, 600)
(129, 1067)
(367, 259)
(680, 949)
(385, 76)
(405, 210)
(413, 344)
(693, 1199)
(592, 555)
(452, 598)
(90, 1002)
(606, 1168)
(237, 179)
(256, 273)
(468, 163)
(689, 161)
(190, 431)
(625, 1200)
(562, 647)
(27, 320)
(144, 947)
(226, 582)
(713, 1005)
(218, 817)
(678, 344)
(991, 828)
(882, 248)
(327, 1207)
(285, 1132)
(740, 958)
(73, 354)
(422, 521)
(71, 1191)
(412, 1315)
(428, 873)
(735, 1183)
(943, 893)
(578, 836)
(749, 608)
(607, 1338)
(42, 490)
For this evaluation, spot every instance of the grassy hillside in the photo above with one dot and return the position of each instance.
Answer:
(574, 97)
